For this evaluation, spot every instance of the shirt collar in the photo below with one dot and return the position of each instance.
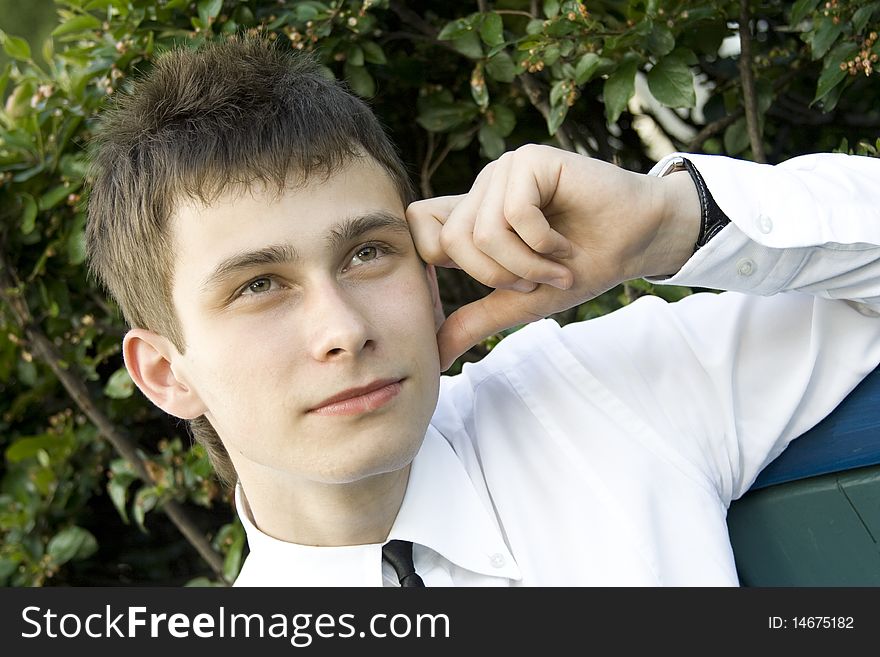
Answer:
(440, 510)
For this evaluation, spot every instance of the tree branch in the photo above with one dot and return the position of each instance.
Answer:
(715, 127)
(43, 349)
(537, 99)
(711, 129)
(750, 100)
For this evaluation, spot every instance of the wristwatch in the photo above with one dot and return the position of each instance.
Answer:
(712, 217)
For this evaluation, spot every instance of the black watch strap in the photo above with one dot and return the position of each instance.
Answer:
(712, 217)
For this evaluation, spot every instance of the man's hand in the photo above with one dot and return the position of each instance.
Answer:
(550, 229)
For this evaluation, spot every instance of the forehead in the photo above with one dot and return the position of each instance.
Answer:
(242, 218)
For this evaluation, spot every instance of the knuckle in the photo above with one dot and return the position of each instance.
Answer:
(533, 272)
(544, 244)
(448, 238)
(482, 239)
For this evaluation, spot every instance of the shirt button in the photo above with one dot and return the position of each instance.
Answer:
(765, 224)
(497, 560)
(745, 267)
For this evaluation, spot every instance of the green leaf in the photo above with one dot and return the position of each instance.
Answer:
(76, 247)
(457, 28)
(492, 29)
(619, 88)
(373, 53)
(27, 373)
(4, 79)
(534, 26)
(28, 214)
(469, 45)
(355, 56)
(832, 75)
(77, 24)
(558, 113)
(120, 5)
(824, 37)
(441, 117)
(557, 91)
(736, 137)
(145, 500)
(800, 9)
(479, 89)
(672, 83)
(500, 67)
(306, 12)
(15, 47)
(458, 140)
(71, 543)
(504, 120)
(491, 141)
(830, 100)
(551, 8)
(117, 487)
(551, 55)
(360, 81)
(862, 15)
(7, 567)
(232, 561)
(660, 41)
(54, 196)
(208, 10)
(29, 446)
(586, 68)
(119, 385)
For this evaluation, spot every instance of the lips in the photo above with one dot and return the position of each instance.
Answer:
(358, 400)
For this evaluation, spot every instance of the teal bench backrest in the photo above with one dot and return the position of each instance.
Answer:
(812, 517)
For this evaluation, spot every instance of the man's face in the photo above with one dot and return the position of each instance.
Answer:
(286, 303)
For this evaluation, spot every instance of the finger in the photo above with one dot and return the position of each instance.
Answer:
(533, 228)
(512, 254)
(425, 226)
(457, 240)
(525, 200)
(494, 237)
(437, 208)
(476, 321)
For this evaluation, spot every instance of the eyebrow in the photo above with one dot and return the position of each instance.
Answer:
(345, 231)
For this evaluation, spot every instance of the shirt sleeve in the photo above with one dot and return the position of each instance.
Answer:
(811, 224)
(729, 379)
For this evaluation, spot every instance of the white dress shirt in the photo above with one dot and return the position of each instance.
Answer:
(607, 452)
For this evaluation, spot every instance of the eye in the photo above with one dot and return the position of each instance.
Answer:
(367, 253)
(258, 286)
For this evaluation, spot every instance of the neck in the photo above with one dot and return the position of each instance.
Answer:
(314, 513)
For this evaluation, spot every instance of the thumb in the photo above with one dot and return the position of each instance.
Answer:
(476, 321)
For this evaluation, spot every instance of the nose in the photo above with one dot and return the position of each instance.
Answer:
(338, 327)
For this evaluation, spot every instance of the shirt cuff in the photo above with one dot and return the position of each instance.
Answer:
(779, 215)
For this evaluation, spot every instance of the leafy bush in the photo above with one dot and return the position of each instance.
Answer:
(87, 462)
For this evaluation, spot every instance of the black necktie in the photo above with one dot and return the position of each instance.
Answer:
(399, 555)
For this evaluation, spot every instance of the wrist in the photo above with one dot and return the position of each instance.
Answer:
(678, 224)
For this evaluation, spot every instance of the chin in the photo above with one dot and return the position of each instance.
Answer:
(375, 463)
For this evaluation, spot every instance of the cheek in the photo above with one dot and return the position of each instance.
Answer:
(405, 303)
(240, 369)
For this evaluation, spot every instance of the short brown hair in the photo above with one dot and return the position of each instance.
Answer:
(227, 113)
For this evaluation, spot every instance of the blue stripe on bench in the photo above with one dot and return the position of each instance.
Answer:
(848, 438)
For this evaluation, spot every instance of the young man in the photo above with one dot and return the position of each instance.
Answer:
(250, 218)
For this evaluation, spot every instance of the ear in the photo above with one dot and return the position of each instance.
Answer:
(148, 359)
(439, 315)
